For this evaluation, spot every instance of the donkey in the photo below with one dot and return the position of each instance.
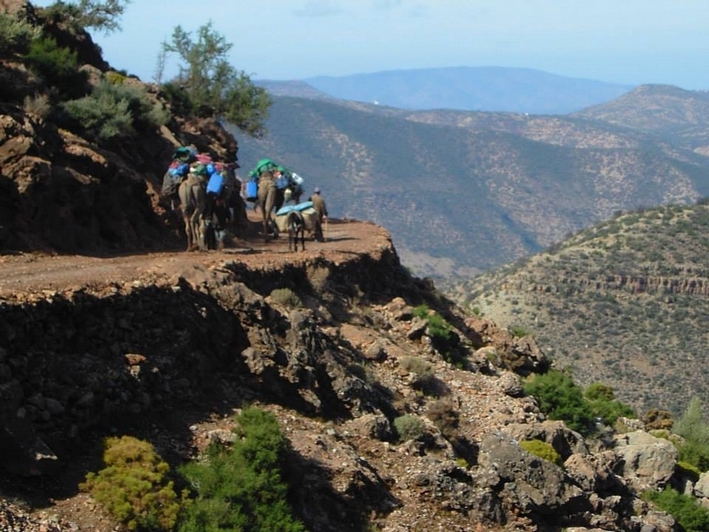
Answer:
(193, 202)
(267, 198)
(296, 227)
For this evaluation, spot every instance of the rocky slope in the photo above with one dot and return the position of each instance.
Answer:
(170, 354)
(104, 331)
(624, 303)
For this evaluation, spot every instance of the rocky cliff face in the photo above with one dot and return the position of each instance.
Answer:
(171, 357)
(64, 193)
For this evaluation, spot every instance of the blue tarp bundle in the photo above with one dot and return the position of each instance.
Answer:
(300, 207)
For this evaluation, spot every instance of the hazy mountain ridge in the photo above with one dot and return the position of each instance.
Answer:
(487, 88)
(462, 191)
(624, 302)
(675, 114)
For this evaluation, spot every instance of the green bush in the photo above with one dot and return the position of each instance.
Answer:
(543, 450)
(560, 398)
(114, 110)
(409, 427)
(286, 297)
(133, 487)
(437, 326)
(685, 509)
(16, 35)
(444, 340)
(58, 67)
(241, 488)
(603, 404)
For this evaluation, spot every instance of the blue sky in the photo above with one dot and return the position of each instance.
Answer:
(621, 41)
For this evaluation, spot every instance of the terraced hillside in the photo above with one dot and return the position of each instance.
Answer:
(625, 302)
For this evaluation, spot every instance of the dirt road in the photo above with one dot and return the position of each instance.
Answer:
(35, 272)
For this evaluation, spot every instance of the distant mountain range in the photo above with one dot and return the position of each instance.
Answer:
(463, 192)
(491, 89)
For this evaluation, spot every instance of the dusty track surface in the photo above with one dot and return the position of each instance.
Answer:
(33, 272)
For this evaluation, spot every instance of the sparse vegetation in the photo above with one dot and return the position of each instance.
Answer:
(445, 417)
(415, 365)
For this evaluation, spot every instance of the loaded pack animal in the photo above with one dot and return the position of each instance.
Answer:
(267, 196)
(276, 185)
(193, 202)
(296, 229)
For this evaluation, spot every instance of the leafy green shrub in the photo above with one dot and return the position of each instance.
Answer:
(543, 450)
(241, 488)
(441, 332)
(180, 100)
(685, 509)
(409, 427)
(58, 66)
(133, 487)
(694, 453)
(115, 78)
(603, 404)
(286, 297)
(560, 398)
(113, 110)
(16, 35)
(437, 326)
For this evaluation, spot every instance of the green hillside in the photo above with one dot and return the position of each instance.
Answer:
(464, 192)
(625, 302)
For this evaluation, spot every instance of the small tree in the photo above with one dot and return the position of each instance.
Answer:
(102, 16)
(561, 398)
(213, 86)
(242, 488)
(695, 431)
